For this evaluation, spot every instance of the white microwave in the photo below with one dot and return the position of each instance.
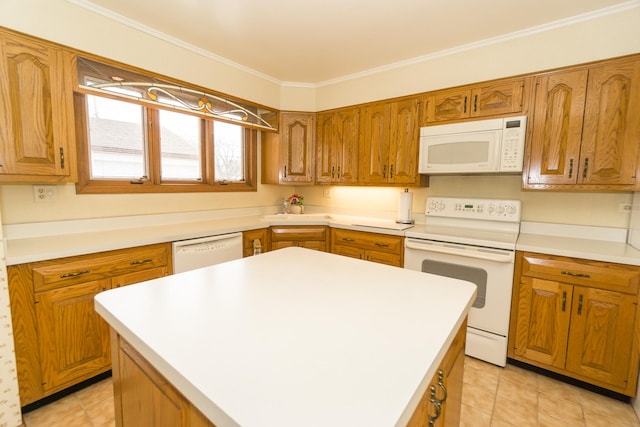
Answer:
(482, 146)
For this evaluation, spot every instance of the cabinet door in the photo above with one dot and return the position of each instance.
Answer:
(349, 251)
(297, 147)
(556, 133)
(542, 324)
(600, 342)
(347, 131)
(325, 149)
(374, 144)
(73, 338)
(448, 105)
(497, 98)
(405, 135)
(611, 127)
(36, 111)
(384, 258)
(248, 238)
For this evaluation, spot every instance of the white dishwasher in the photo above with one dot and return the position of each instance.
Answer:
(205, 251)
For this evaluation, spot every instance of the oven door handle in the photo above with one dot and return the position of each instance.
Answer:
(497, 255)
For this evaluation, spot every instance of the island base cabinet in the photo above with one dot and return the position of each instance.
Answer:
(441, 403)
(143, 397)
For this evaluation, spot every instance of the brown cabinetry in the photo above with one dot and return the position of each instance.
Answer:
(441, 403)
(577, 318)
(337, 147)
(37, 139)
(60, 340)
(144, 397)
(584, 130)
(252, 239)
(389, 143)
(308, 236)
(500, 97)
(381, 248)
(288, 156)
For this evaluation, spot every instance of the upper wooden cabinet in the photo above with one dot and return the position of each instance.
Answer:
(288, 156)
(337, 146)
(487, 99)
(37, 139)
(584, 130)
(389, 143)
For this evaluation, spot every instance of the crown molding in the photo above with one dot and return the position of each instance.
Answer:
(631, 4)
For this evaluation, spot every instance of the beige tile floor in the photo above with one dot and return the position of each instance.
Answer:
(491, 397)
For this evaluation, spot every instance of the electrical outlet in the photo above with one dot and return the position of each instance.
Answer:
(44, 193)
(625, 207)
(326, 192)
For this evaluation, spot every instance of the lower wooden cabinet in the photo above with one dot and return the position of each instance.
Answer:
(381, 248)
(577, 318)
(143, 397)
(254, 239)
(307, 236)
(59, 338)
(441, 403)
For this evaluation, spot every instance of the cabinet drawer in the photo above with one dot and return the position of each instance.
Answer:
(371, 241)
(595, 274)
(285, 233)
(72, 270)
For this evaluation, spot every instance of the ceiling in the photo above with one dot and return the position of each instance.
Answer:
(311, 42)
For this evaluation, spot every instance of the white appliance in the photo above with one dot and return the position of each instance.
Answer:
(205, 251)
(473, 240)
(483, 146)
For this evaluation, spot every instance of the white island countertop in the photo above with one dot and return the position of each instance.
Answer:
(294, 337)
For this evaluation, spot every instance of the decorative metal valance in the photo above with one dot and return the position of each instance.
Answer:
(98, 78)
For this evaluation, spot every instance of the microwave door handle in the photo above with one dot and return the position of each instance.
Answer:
(453, 249)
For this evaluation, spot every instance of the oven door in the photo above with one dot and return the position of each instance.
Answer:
(492, 272)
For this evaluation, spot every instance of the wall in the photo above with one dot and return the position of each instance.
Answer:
(575, 41)
(9, 397)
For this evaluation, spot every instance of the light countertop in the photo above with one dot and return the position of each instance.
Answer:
(593, 243)
(42, 241)
(281, 340)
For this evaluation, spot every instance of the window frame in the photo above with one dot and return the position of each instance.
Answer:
(153, 183)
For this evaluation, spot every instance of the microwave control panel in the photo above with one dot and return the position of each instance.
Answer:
(512, 151)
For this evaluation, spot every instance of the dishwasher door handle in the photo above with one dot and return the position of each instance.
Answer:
(489, 254)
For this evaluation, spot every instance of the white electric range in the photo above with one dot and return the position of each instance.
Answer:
(473, 240)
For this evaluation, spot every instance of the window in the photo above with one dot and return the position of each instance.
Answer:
(137, 134)
(129, 148)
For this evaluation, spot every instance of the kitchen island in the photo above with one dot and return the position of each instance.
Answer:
(292, 337)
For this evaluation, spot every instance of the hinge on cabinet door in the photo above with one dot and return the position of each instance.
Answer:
(61, 158)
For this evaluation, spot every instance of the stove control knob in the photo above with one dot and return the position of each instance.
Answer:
(500, 210)
(490, 209)
(511, 209)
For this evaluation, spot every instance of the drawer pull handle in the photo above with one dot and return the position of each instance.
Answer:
(76, 274)
(381, 245)
(568, 273)
(143, 261)
(437, 405)
(580, 304)
(564, 300)
(441, 384)
(347, 239)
